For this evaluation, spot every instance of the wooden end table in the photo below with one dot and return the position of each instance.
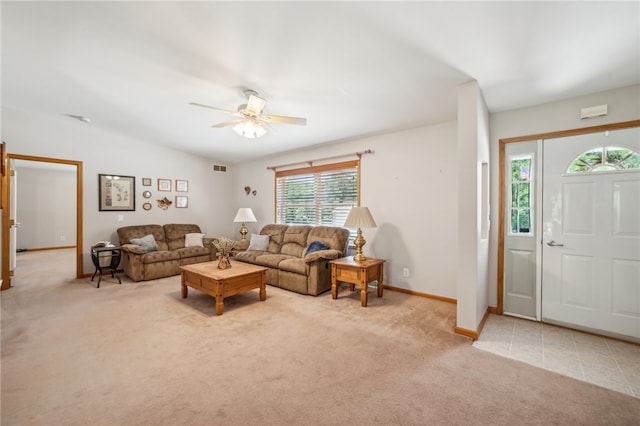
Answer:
(349, 271)
(221, 283)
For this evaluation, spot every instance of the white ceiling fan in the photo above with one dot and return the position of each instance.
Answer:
(251, 122)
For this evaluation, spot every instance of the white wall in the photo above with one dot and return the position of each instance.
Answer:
(46, 207)
(409, 184)
(624, 105)
(210, 201)
(473, 248)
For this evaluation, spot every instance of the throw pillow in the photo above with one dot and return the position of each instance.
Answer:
(148, 243)
(193, 240)
(259, 242)
(316, 246)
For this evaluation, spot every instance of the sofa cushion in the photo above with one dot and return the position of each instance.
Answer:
(316, 246)
(336, 238)
(294, 240)
(175, 233)
(192, 251)
(148, 243)
(271, 260)
(193, 239)
(248, 256)
(160, 256)
(126, 233)
(299, 266)
(258, 242)
(276, 232)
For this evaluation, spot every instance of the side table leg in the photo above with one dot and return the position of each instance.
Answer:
(334, 284)
(380, 279)
(363, 294)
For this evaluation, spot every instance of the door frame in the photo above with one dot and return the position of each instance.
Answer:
(6, 278)
(501, 187)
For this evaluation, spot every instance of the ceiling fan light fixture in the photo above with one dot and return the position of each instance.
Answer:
(250, 128)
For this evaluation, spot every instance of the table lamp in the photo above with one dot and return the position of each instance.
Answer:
(244, 215)
(359, 217)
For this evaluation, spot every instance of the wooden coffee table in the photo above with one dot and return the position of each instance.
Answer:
(221, 283)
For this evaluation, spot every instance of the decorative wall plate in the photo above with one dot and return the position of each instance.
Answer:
(146, 206)
(146, 194)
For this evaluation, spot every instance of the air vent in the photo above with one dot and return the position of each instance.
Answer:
(218, 168)
(595, 111)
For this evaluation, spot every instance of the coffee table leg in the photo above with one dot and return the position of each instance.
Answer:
(219, 305)
(363, 294)
(184, 287)
(263, 286)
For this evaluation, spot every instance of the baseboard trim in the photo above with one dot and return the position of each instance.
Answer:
(46, 248)
(468, 333)
(417, 293)
(474, 334)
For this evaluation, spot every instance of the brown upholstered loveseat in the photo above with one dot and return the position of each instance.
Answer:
(171, 253)
(289, 265)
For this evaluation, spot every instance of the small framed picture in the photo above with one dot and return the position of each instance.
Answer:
(182, 185)
(164, 184)
(182, 201)
(146, 181)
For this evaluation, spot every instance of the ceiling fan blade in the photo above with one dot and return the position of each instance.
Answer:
(285, 120)
(255, 104)
(216, 108)
(229, 123)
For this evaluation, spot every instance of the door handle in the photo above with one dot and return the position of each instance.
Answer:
(552, 243)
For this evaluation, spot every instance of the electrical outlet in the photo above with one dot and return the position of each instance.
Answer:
(62, 238)
(120, 218)
(405, 272)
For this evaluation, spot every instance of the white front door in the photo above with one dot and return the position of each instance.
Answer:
(591, 232)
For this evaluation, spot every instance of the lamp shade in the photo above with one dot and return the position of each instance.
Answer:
(360, 217)
(245, 215)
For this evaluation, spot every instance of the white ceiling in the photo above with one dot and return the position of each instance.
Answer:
(351, 68)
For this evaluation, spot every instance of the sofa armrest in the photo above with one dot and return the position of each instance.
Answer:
(322, 254)
(241, 245)
(132, 248)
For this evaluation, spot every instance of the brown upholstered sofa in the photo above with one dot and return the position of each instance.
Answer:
(289, 265)
(171, 253)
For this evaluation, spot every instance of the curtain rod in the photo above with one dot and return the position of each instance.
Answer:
(310, 162)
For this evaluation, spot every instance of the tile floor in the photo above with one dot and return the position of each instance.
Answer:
(605, 362)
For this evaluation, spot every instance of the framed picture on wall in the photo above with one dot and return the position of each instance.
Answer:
(164, 184)
(182, 185)
(116, 193)
(146, 181)
(182, 202)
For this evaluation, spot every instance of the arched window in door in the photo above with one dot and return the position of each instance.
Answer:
(605, 159)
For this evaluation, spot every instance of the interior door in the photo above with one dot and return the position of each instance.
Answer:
(13, 216)
(591, 232)
(520, 254)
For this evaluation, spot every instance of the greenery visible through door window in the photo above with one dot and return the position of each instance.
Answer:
(605, 159)
(521, 193)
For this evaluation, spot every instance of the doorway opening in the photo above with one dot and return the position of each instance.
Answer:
(10, 223)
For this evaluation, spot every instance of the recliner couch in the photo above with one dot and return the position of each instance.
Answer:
(290, 266)
(171, 253)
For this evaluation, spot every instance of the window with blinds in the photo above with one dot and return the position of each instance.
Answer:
(317, 195)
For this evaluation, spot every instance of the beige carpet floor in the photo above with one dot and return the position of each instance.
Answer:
(139, 354)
